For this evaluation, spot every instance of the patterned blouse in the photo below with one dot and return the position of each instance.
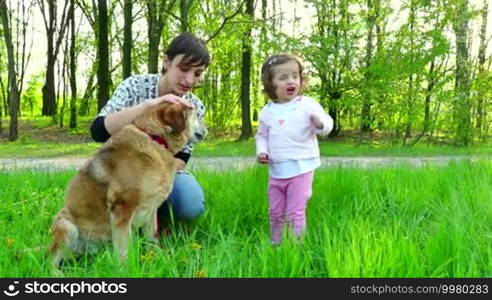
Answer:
(140, 88)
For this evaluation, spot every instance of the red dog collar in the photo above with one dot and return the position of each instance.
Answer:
(158, 139)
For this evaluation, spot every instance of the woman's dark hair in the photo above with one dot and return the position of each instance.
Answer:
(267, 73)
(194, 49)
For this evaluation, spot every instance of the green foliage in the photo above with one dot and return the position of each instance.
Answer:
(219, 89)
(480, 92)
(40, 146)
(408, 98)
(32, 97)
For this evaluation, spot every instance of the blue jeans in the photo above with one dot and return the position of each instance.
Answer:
(187, 200)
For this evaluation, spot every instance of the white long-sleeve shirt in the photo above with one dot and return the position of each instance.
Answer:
(287, 134)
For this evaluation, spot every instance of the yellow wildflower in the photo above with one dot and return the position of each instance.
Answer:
(196, 246)
(200, 274)
(148, 256)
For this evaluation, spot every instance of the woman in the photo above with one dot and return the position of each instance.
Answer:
(185, 60)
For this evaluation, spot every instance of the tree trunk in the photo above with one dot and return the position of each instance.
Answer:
(154, 37)
(431, 81)
(22, 55)
(333, 111)
(263, 30)
(365, 115)
(246, 129)
(127, 39)
(3, 95)
(49, 96)
(54, 42)
(462, 107)
(73, 69)
(481, 70)
(184, 8)
(155, 25)
(103, 53)
(64, 76)
(409, 108)
(85, 102)
(411, 83)
(14, 91)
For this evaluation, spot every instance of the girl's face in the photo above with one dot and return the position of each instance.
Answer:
(287, 81)
(180, 76)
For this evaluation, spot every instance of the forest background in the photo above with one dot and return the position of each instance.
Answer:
(409, 71)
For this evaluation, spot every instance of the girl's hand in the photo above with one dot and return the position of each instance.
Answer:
(316, 120)
(170, 98)
(263, 158)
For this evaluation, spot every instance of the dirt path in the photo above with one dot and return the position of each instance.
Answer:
(234, 163)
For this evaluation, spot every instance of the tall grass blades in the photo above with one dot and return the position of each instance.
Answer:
(383, 222)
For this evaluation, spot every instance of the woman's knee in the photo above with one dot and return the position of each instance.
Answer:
(191, 211)
(187, 198)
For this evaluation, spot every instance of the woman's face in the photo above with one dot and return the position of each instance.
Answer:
(180, 76)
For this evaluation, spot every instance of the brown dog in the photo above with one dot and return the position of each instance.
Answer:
(122, 186)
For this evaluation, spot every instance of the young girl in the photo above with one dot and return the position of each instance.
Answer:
(286, 141)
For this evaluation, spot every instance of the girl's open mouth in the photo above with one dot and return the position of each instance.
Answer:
(291, 90)
(184, 88)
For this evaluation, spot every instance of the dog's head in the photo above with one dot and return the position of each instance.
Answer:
(176, 123)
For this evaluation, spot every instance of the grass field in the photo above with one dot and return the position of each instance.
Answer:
(39, 137)
(384, 222)
(221, 147)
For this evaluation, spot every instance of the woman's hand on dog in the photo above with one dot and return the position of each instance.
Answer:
(171, 98)
(263, 158)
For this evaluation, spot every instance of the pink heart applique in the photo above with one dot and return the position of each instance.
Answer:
(281, 122)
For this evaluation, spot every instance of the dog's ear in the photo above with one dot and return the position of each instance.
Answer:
(173, 115)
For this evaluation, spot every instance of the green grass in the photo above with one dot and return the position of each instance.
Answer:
(37, 149)
(39, 137)
(342, 148)
(384, 222)
(28, 147)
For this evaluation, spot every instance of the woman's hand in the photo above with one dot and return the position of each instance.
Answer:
(263, 158)
(170, 98)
